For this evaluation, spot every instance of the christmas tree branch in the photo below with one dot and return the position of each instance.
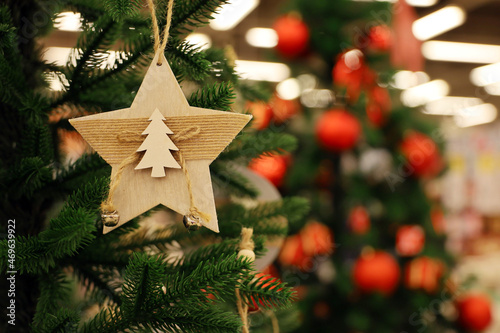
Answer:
(218, 97)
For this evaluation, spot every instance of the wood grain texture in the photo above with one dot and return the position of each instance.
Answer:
(137, 191)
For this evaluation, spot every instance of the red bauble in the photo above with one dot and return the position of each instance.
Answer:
(317, 239)
(410, 240)
(293, 36)
(380, 38)
(475, 312)
(376, 272)
(421, 154)
(438, 221)
(359, 220)
(292, 253)
(349, 72)
(378, 105)
(262, 114)
(271, 167)
(338, 130)
(423, 273)
(284, 109)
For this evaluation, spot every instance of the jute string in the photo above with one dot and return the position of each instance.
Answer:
(160, 42)
(246, 243)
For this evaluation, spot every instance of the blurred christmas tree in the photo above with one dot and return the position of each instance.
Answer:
(142, 277)
(366, 162)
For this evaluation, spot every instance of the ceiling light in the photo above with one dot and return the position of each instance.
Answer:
(476, 115)
(438, 22)
(262, 71)
(288, 89)
(407, 79)
(262, 37)
(485, 75)
(230, 14)
(425, 93)
(461, 52)
(317, 98)
(493, 89)
(203, 41)
(450, 105)
(421, 3)
(57, 55)
(68, 21)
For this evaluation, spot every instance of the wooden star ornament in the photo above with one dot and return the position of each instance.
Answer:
(159, 123)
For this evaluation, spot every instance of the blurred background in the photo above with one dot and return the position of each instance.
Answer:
(409, 90)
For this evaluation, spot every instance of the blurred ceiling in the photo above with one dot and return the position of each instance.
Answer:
(481, 26)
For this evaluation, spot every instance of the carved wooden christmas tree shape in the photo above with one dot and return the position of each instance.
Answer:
(157, 147)
(117, 135)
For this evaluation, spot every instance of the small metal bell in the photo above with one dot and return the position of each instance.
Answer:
(110, 219)
(191, 222)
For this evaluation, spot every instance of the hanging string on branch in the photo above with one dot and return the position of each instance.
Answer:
(246, 250)
(160, 42)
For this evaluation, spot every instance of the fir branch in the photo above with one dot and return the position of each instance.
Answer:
(218, 97)
(31, 255)
(90, 196)
(108, 320)
(62, 321)
(263, 217)
(53, 289)
(121, 9)
(253, 144)
(37, 141)
(85, 168)
(221, 274)
(97, 284)
(195, 320)
(190, 14)
(231, 181)
(189, 60)
(28, 176)
(93, 40)
(142, 285)
(70, 231)
(139, 242)
(267, 291)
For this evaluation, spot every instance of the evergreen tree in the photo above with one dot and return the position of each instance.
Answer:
(368, 190)
(131, 274)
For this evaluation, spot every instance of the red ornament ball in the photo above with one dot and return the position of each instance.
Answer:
(262, 114)
(317, 239)
(284, 109)
(438, 220)
(350, 72)
(359, 220)
(474, 312)
(423, 273)
(421, 154)
(378, 105)
(376, 272)
(271, 167)
(380, 38)
(292, 253)
(337, 130)
(293, 36)
(410, 240)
